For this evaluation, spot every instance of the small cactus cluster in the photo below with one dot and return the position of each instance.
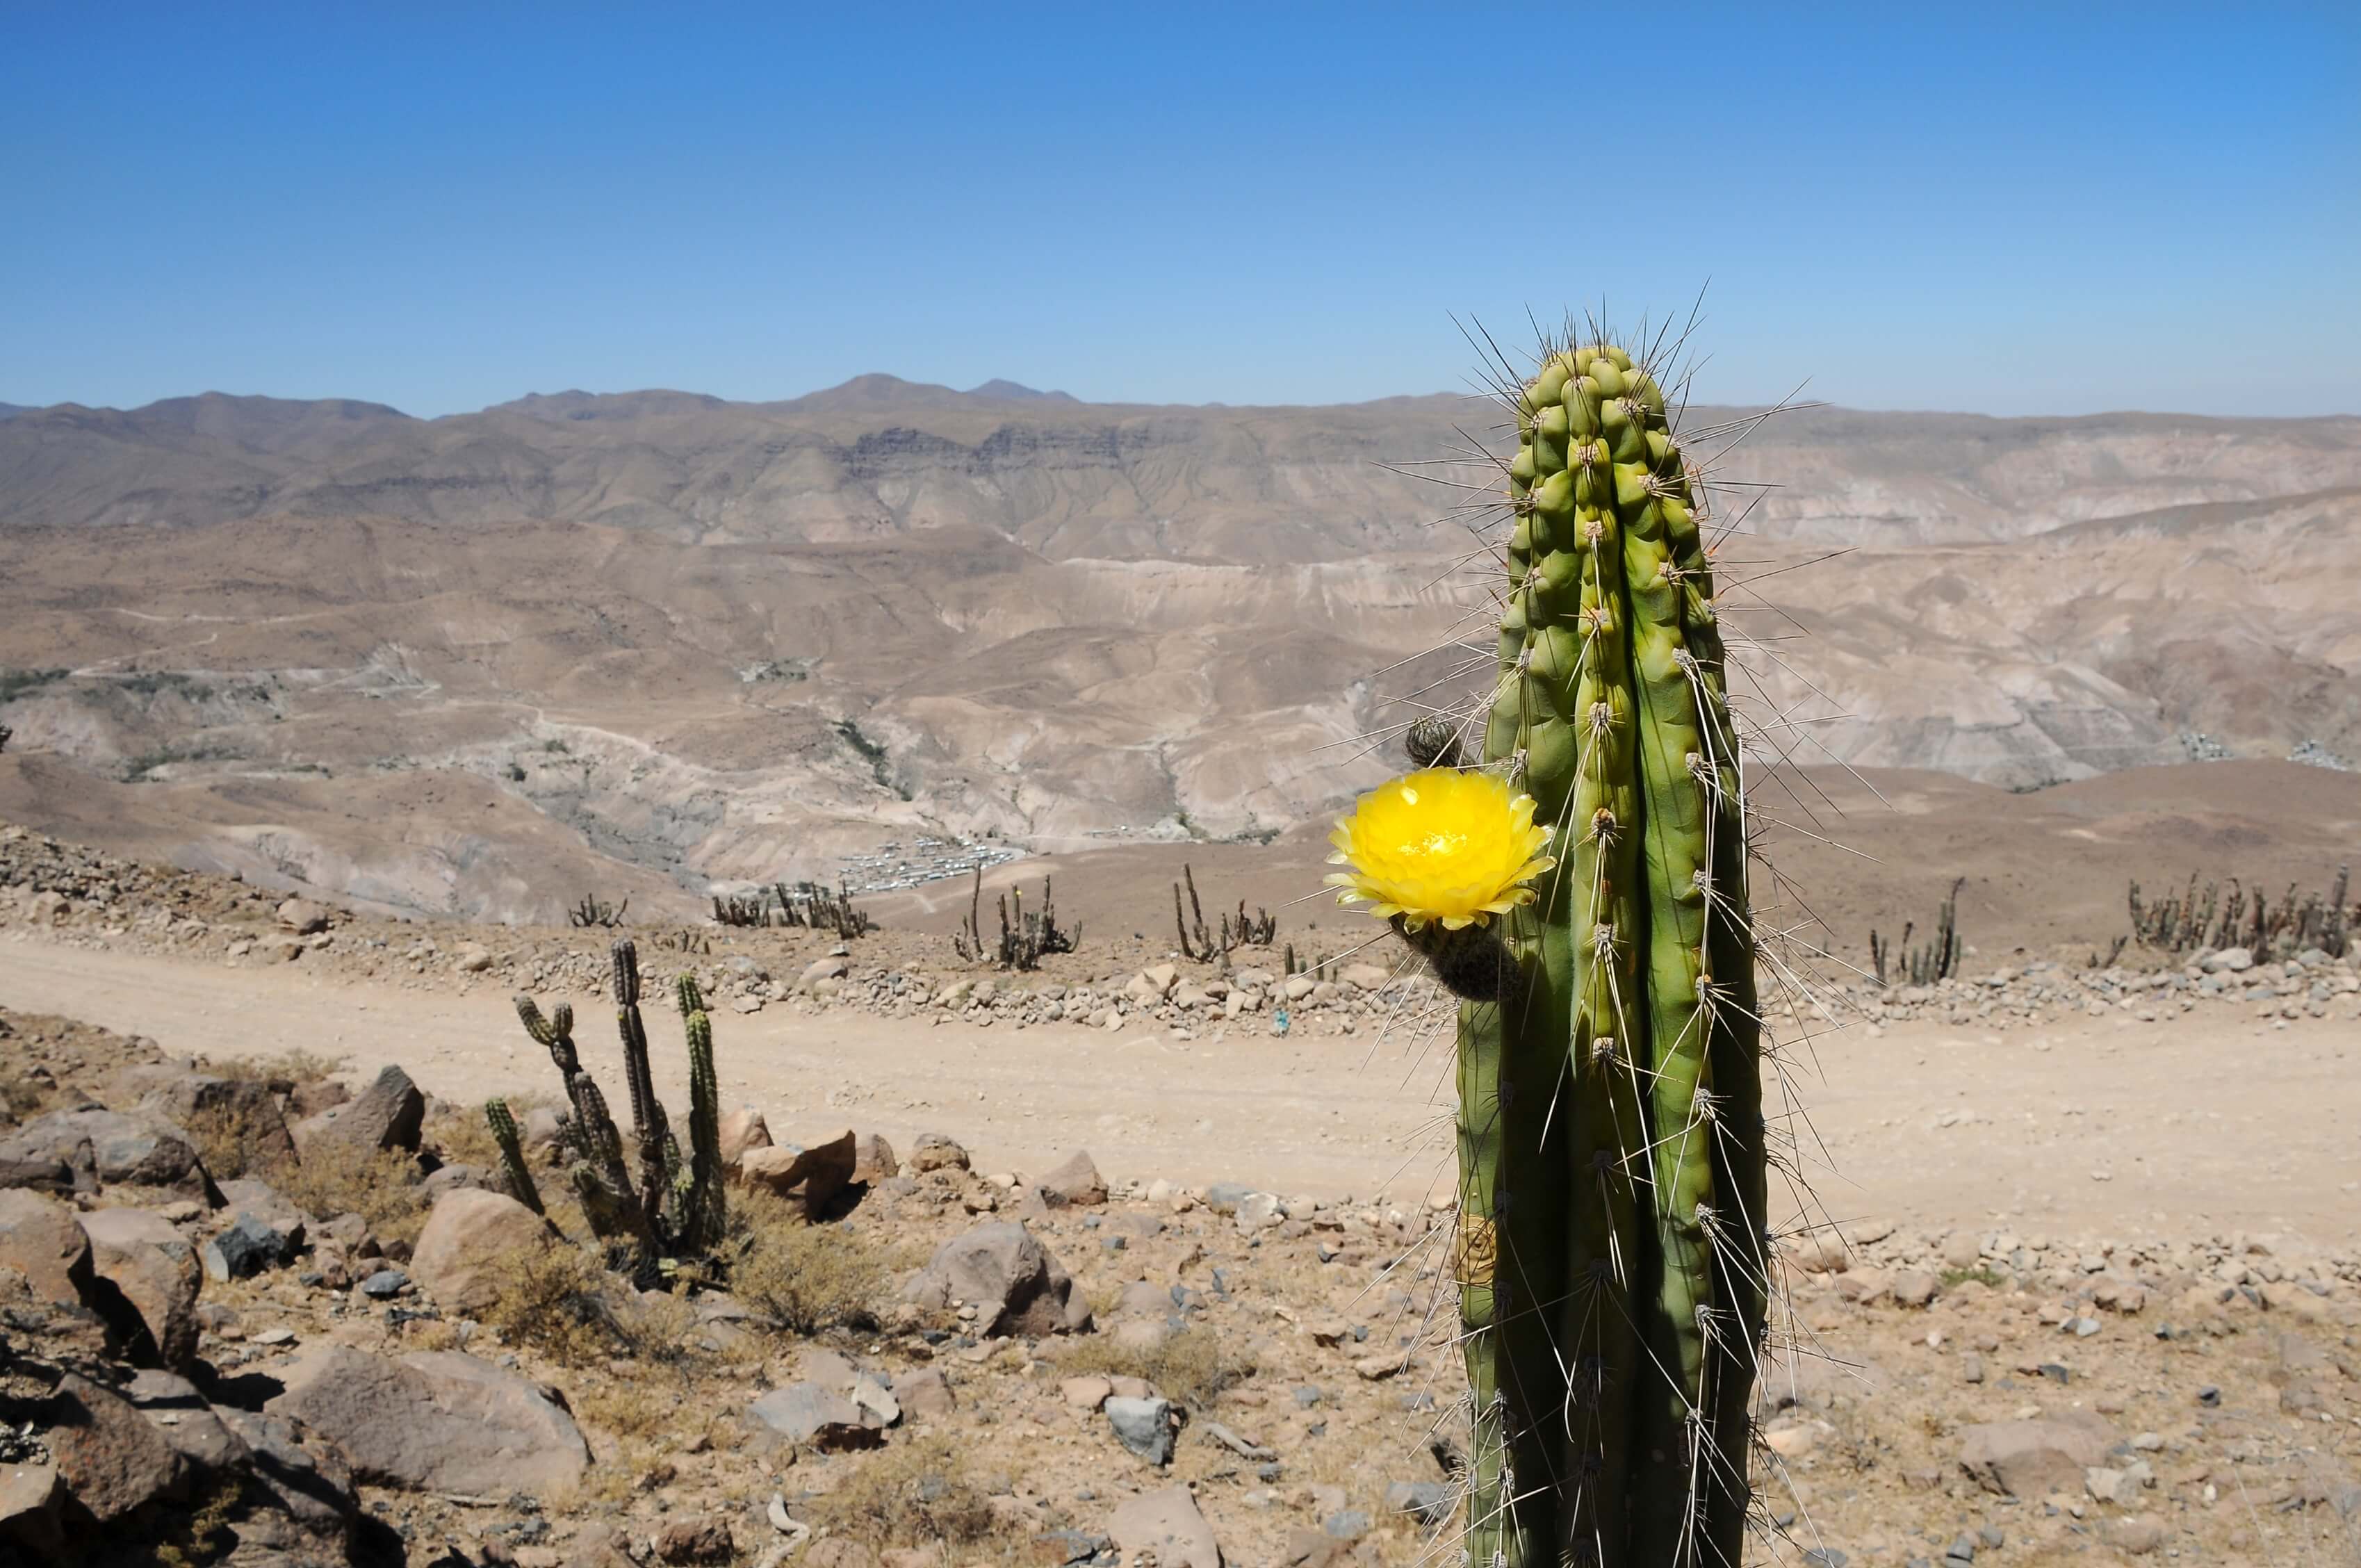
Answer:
(1571, 859)
(672, 1208)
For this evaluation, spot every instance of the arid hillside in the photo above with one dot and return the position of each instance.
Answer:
(655, 642)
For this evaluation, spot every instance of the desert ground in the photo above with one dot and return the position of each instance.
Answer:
(2073, 1272)
(1135, 1256)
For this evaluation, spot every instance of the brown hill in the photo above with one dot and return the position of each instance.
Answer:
(657, 640)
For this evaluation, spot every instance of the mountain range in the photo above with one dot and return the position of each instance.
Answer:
(658, 641)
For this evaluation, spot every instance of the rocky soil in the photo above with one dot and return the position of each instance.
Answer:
(258, 1312)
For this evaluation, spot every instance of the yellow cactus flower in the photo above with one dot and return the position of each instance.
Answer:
(1439, 848)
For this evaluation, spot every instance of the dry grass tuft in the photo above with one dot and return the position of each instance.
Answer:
(806, 1277)
(1192, 1366)
(336, 1179)
(913, 1495)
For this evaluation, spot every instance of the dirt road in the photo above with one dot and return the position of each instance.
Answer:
(2098, 1125)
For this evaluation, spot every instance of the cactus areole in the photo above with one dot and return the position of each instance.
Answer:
(1611, 1251)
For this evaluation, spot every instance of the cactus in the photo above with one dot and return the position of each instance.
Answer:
(1611, 1251)
(514, 1172)
(673, 1207)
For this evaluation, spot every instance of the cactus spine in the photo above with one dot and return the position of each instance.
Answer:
(1611, 1254)
(675, 1207)
(514, 1172)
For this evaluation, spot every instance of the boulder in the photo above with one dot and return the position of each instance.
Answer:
(1168, 1525)
(1075, 1180)
(872, 1161)
(935, 1152)
(112, 1458)
(245, 1196)
(1365, 977)
(436, 1421)
(453, 1178)
(32, 1496)
(812, 1176)
(304, 917)
(156, 1280)
(247, 1245)
(741, 1130)
(467, 1242)
(40, 1238)
(925, 1393)
(1017, 1286)
(182, 1095)
(810, 1415)
(388, 1114)
(318, 1095)
(1145, 1426)
(698, 1538)
(195, 1430)
(298, 1504)
(48, 1175)
(2033, 1458)
(105, 1147)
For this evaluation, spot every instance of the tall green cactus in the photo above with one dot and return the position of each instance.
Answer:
(514, 1172)
(675, 1207)
(1612, 1250)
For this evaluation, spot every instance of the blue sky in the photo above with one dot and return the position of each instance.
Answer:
(2057, 209)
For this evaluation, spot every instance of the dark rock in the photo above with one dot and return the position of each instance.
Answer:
(1146, 1426)
(385, 1284)
(112, 1458)
(105, 1147)
(1017, 1286)
(247, 1246)
(190, 1424)
(46, 1174)
(1429, 1502)
(387, 1115)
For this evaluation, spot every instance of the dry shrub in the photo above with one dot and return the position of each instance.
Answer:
(229, 1139)
(282, 1072)
(1190, 1366)
(806, 1277)
(561, 1301)
(19, 1097)
(336, 1178)
(916, 1493)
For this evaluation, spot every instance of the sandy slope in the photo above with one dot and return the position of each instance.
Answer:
(2091, 1127)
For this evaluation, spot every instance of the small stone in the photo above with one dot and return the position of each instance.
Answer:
(385, 1284)
(809, 1414)
(1428, 1502)
(1085, 1393)
(1168, 1526)
(699, 1537)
